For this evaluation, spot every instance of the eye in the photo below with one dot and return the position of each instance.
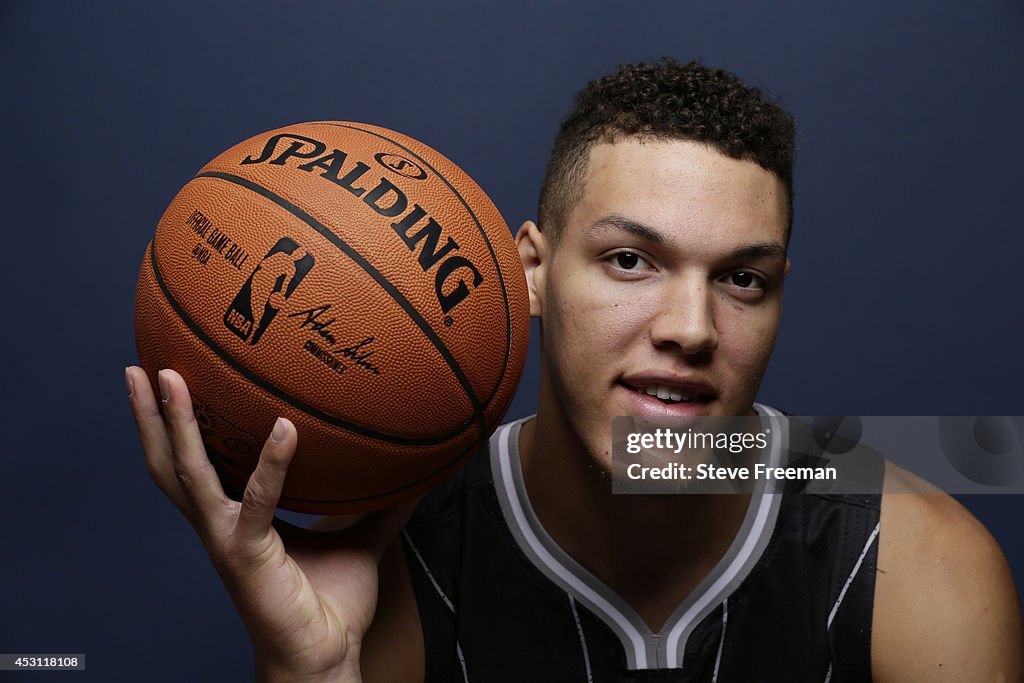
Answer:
(744, 279)
(628, 261)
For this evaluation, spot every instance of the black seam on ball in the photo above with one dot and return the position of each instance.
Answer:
(483, 233)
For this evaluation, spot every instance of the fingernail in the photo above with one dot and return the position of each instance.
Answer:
(277, 435)
(165, 390)
(129, 383)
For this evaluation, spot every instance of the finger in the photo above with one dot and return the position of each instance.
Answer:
(153, 435)
(263, 490)
(192, 468)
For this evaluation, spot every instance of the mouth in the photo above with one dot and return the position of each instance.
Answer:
(666, 393)
(659, 397)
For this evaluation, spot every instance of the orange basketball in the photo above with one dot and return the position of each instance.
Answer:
(353, 280)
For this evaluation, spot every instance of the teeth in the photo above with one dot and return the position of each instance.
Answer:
(665, 392)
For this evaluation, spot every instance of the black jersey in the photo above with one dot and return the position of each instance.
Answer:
(499, 600)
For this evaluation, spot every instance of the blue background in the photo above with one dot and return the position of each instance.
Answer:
(904, 298)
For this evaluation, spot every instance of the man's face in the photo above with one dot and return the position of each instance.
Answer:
(666, 280)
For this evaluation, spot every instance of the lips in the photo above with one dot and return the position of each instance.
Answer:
(668, 396)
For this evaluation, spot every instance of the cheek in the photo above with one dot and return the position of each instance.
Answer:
(587, 315)
(747, 338)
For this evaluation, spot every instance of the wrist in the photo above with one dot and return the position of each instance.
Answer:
(270, 672)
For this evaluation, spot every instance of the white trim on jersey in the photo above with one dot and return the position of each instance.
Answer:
(569, 581)
(643, 649)
(753, 544)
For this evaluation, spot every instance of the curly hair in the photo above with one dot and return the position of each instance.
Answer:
(665, 100)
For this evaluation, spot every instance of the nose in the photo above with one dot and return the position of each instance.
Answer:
(686, 317)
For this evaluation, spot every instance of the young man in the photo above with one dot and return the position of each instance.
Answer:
(657, 271)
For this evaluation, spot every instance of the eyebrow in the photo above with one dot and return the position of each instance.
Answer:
(645, 232)
(616, 221)
(761, 249)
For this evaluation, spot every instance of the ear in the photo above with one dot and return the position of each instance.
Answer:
(788, 264)
(533, 252)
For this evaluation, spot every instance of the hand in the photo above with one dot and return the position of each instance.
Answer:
(306, 606)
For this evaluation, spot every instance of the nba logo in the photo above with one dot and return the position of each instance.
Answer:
(271, 283)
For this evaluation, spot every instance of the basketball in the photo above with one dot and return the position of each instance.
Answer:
(353, 280)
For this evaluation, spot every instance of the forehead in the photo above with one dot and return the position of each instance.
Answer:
(687, 189)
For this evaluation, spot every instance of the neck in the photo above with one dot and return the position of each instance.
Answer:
(652, 550)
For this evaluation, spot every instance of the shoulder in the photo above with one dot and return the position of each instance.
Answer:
(945, 603)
